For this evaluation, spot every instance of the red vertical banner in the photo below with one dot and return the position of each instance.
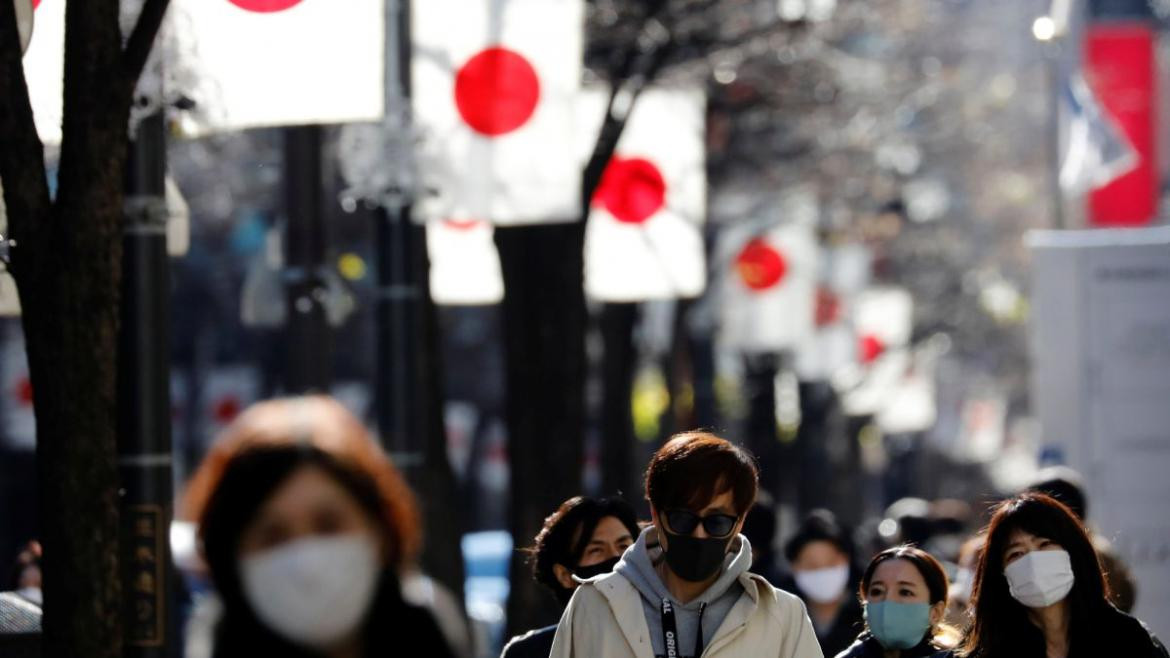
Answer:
(1121, 67)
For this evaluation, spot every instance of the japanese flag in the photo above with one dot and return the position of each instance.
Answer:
(279, 62)
(832, 347)
(643, 240)
(494, 86)
(769, 287)
(883, 320)
(465, 267)
(44, 68)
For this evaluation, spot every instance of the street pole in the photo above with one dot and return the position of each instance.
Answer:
(144, 405)
(399, 279)
(308, 336)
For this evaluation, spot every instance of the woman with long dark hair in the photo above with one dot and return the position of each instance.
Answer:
(904, 591)
(304, 524)
(1039, 591)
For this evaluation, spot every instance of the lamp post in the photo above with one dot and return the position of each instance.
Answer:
(1050, 30)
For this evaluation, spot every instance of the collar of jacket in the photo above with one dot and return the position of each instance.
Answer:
(626, 603)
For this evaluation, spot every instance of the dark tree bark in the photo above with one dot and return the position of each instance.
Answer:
(617, 424)
(67, 265)
(544, 342)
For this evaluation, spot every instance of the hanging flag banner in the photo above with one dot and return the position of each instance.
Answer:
(832, 347)
(278, 62)
(1094, 150)
(494, 84)
(465, 267)
(44, 68)
(883, 320)
(769, 287)
(1121, 70)
(644, 239)
(882, 323)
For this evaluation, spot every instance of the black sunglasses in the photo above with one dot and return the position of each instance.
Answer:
(684, 522)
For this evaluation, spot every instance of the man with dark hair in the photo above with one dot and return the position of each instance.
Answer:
(683, 589)
(1064, 484)
(583, 538)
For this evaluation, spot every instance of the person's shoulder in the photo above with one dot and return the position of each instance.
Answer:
(537, 642)
(861, 648)
(1131, 634)
(781, 604)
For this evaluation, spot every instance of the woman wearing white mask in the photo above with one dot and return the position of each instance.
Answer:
(304, 525)
(1039, 591)
(821, 556)
(904, 590)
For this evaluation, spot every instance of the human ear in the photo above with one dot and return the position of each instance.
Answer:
(564, 576)
(937, 611)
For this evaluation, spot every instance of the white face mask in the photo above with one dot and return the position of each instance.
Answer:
(1040, 578)
(823, 585)
(314, 592)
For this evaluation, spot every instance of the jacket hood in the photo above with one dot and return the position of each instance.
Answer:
(638, 562)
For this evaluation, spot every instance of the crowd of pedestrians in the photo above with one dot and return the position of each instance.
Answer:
(309, 536)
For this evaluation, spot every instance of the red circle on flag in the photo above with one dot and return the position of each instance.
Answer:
(462, 224)
(760, 265)
(24, 392)
(265, 6)
(36, 3)
(227, 409)
(496, 91)
(632, 189)
(871, 348)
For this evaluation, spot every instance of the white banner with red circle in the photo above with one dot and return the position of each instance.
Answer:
(493, 90)
(279, 62)
(769, 287)
(644, 238)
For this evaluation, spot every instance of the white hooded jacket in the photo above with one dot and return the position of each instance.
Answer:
(605, 619)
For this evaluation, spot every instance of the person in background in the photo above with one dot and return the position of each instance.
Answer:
(305, 525)
(959, 603)
(1039, 590)
(821, 557)
(905, 593)
(1064, 484)
(760, 529)
(683, 589)
(26, 573)
(584, 538)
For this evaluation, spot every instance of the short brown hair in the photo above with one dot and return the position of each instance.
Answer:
(694, 467)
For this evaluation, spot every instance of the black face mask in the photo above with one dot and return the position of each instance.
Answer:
(693, 558)
(584, 573)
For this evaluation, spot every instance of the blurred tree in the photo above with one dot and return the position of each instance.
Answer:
(67, 265)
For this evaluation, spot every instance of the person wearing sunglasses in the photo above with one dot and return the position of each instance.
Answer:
(683, 589)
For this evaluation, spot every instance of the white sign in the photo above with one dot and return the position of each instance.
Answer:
(279, 62)
(494, 88)
(465, 267)
(644, 240)
(1101, 382)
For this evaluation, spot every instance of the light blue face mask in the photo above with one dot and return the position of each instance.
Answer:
(898, 625)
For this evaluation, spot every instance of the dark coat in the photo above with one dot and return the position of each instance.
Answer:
(1110, 633)
(867, 646)
(533, 644)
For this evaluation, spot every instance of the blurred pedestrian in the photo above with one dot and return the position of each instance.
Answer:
(684, 589)
(305, 524)
(959, 601)
(1039, 590)
(26, 574)
(1064, 484)
(905, 593)
(583, 539)
(823, 575)
(760, 529)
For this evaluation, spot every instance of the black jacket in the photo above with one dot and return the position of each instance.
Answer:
(1109, 632)
(533, 644)
(867, 646)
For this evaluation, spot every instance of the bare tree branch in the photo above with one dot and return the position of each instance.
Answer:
(141, 40)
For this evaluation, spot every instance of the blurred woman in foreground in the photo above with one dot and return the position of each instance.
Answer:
(304, 524)
(904, 591)
(1039, 591)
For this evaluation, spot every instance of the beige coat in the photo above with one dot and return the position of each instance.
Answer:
(605, 620)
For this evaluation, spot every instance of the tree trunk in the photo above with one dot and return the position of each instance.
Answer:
(67, 264)
(544, 329)
(618, 474)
